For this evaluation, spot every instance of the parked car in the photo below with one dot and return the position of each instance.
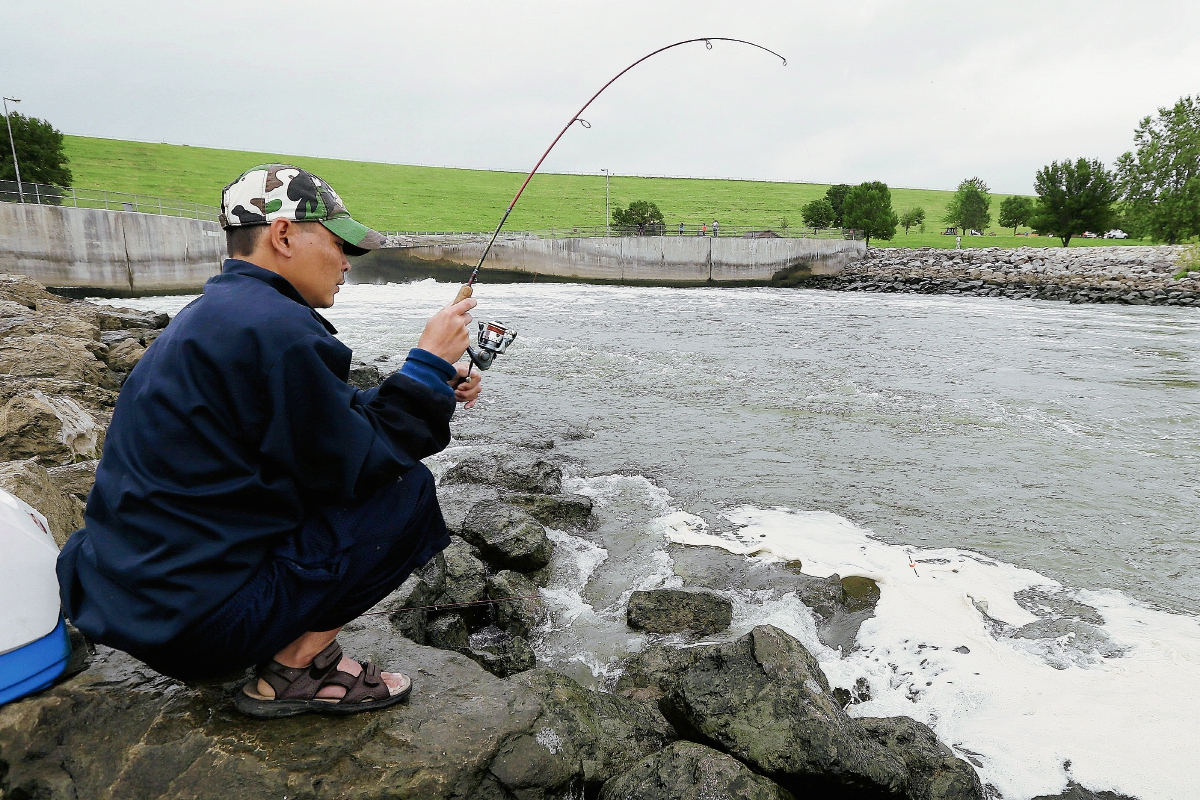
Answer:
(1116, 233)
(974, 233)
(950, 232)
(1089, 235)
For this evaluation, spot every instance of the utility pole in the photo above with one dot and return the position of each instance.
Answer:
(12, 143)
(607, 216)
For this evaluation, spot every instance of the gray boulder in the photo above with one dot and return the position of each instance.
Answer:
(364, 376)
(554, 510)
(934, 772)
(1076, 792)
(675, 610)
(465, 582)
(764, 699)
(518, 617)
(448, 632)
(408, 602)
(53, 428)
(690, 771)
(119, 730)
(516, 471)
(499, 652)
(31, 482)
(611, 732)
(507, 537)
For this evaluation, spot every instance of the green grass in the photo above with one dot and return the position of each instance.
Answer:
(401, 197)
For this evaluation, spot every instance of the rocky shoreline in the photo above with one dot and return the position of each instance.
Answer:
(1126, 275)
(749, 717)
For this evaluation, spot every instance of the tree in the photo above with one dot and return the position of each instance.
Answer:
(868, 208)
(1161, 181)
(641, 216)
(911, 217)
(1073, 198)
(836, 195)
(39, 152)
(970, 206)
(818, 213)
(1016, 211)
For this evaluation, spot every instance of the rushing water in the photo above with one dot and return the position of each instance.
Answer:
(1037, 462)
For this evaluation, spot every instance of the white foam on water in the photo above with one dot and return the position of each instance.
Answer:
(1119, 704)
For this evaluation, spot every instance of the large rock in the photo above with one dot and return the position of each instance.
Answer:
(465, 581)
(48, 356)
(26, 291)
(97, 401)
(764, 699)
(124, 356)
(507, 537)
(934, 772)
(516, 471)
(408, 603)
(119, 730)
(1076, 792)
(54, 428)
(611, 732)
(75, 479)
(112, 319)
(554, 510)
(690, 771)
(75, 320)
(30, 481)
(675, 610)
(499, 652)
(520, 617)
(364, 375)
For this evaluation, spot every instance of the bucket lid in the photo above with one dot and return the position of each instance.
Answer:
(29, 605)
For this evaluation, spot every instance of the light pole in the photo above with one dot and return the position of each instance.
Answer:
(607, 175)
(12, 143)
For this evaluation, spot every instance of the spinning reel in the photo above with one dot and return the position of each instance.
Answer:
(494, 338)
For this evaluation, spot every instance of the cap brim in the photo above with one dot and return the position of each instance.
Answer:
(359, 239)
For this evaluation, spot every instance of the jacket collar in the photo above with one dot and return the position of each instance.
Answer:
(236, 266)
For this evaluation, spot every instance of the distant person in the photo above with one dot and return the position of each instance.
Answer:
(714, 229)
(704, 229)
(250, 502)
(958, 243)
(681, 229)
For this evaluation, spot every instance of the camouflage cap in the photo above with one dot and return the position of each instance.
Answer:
(269, 192)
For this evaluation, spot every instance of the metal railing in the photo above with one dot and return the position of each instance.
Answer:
(71, 197)
(581, 231)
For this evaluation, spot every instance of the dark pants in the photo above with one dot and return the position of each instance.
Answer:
(343, 560)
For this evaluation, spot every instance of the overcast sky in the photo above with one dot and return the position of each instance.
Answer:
(917, 93)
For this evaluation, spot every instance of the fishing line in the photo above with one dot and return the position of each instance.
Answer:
(441, 606)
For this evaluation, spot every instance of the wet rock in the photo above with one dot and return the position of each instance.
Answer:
(448, 632)
(611, 732)
(457, 500)
(1076, 792)
(507, 537)
(764, 699)
(478, 468)
(519, 617)
(75, 479)
(55, 429)
(48, 356)
(675, 610)
(466, 581)
(841, 606)
(29, 481)
(690, 771)
(462, 734)
(125, 355)
(113, 319)
(554, 510)
(499, 652)
(934, 772)
(525, 474)
(408, 602)
(365, 376)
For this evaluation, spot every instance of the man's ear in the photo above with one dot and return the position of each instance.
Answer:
(279, 234)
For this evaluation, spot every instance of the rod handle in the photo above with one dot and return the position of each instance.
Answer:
(464, 292)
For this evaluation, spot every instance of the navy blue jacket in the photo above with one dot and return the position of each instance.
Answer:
(236, 424)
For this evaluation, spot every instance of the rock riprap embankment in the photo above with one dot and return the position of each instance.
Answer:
(750, 718)
(1129, 275)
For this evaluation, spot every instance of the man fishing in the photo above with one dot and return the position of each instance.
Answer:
(249, 502)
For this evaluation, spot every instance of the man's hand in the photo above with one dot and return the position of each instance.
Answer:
(445, 334)
(466, 389)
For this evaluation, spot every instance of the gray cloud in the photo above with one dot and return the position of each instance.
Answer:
(912, 93)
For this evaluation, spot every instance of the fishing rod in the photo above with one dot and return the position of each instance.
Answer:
(494, 338)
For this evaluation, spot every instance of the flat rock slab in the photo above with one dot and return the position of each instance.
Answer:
(689, 771)
(120, 730)
(675, 610)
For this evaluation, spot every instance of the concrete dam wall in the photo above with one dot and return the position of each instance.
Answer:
(117, 253)
(653, 260)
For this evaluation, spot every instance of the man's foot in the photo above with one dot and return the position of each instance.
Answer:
(330, 684)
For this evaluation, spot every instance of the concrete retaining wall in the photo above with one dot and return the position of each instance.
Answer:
(669, 260)
(108, 252)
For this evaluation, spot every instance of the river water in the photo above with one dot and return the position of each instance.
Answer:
(1020, 478)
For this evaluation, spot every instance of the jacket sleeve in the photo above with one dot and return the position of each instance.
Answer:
(337, 442)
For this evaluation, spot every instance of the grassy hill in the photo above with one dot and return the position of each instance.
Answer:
(399, 197)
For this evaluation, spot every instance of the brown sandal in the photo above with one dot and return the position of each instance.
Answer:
(296, 688)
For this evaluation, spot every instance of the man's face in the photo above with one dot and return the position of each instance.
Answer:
(318, 265)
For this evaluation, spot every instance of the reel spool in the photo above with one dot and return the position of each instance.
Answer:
(494, 338)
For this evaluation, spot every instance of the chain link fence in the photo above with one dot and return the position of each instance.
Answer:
(71, 197)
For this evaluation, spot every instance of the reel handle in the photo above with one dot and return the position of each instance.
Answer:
(464, 291)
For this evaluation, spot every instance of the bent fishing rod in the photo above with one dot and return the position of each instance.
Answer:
(494, 338)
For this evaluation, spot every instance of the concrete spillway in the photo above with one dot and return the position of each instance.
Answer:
(653, 260)
(94, 251)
